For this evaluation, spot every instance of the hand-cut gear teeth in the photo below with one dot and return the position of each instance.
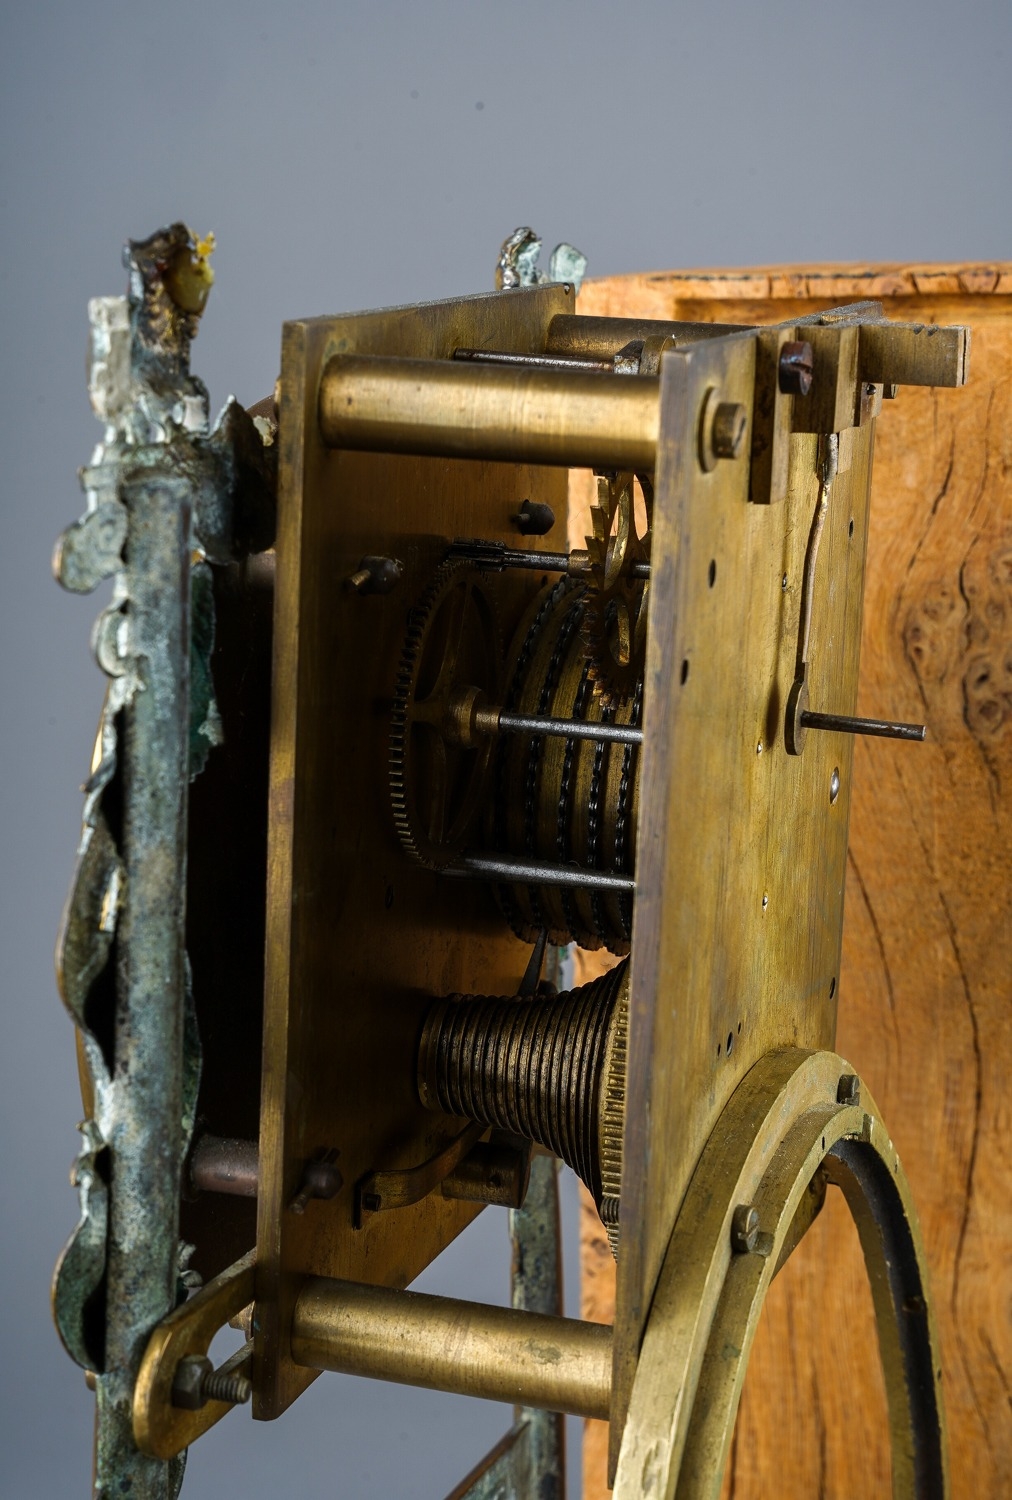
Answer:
(624, 903)
(611, 1111)
(415, 843)
(615, 682)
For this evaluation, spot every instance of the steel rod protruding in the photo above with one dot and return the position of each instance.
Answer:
(223, 1164)
(846, 724)
(496, 556)
(570, 729)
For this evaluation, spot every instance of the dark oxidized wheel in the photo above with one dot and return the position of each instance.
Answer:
(437, 779)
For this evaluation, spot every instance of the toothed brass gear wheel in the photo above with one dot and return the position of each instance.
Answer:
(615, 612)
(438, 780)
(611, 1112)
(559, 800)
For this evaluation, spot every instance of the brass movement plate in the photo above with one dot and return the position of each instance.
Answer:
(740, 865)
(741, 857)
(358, 939)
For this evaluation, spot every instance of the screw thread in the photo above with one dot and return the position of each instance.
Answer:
(222, 1385)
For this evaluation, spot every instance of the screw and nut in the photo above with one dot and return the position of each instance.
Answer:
(196, 1382)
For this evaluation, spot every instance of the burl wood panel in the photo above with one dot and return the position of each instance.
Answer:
(926, 981)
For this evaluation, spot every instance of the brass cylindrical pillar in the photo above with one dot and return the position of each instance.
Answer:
(599, 338)
(495, 1353)
(461, 410)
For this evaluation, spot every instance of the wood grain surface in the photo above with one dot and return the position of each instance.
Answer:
(926, 981)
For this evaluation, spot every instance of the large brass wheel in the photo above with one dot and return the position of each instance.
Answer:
(794, 1116)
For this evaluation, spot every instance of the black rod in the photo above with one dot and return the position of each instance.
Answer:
(845, 724)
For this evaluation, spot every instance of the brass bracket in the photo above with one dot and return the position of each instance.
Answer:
(403, 1186)
(161, 1429)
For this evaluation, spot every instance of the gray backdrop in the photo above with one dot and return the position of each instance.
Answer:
(350, 156)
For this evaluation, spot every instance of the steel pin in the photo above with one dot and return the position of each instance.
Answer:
(846, 724)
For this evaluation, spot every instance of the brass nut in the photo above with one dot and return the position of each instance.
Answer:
(848, 1090)
(196, 1382)
(744, 1229)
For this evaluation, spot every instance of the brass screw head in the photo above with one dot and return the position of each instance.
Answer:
(796, 368)
(744, 1229)
(722, 429)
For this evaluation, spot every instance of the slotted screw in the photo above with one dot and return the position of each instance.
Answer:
(744, 1229)
(796, 368)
